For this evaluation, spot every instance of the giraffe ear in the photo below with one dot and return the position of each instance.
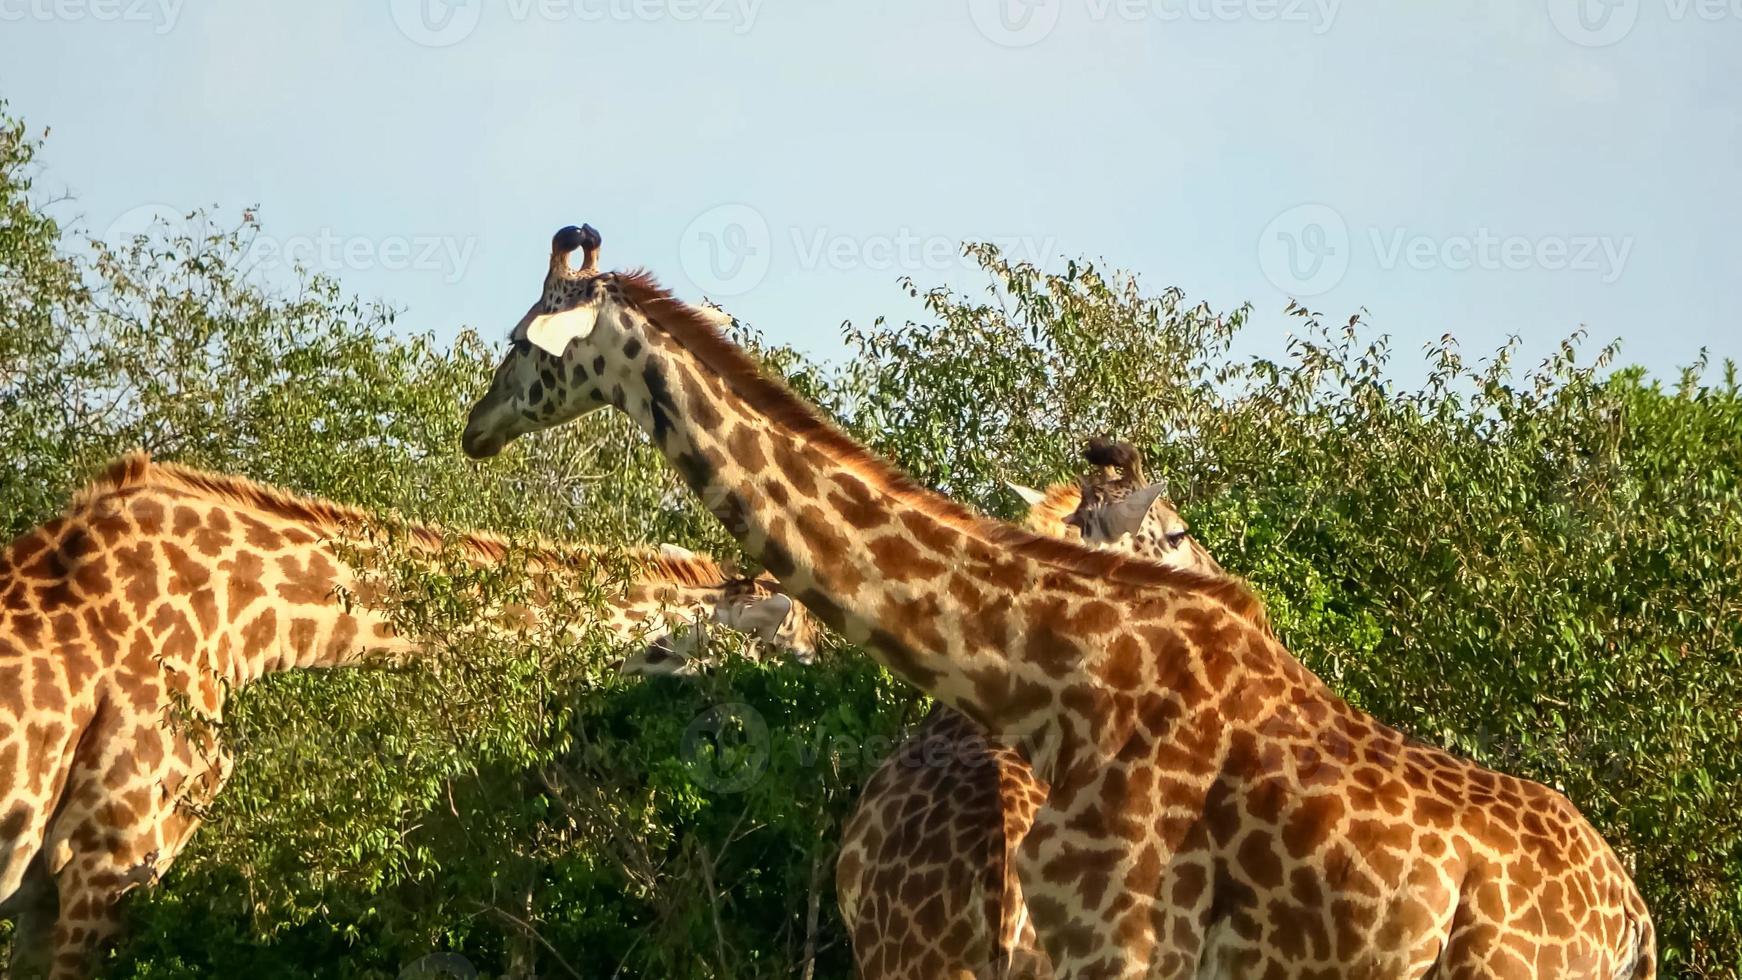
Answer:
(1127, 516)
(553, 332)
(761, 618)
(675, 552)
(1029, 495)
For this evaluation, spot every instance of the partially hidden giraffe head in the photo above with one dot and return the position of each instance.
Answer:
(753, 607)
(571, 353)
(1113, 506)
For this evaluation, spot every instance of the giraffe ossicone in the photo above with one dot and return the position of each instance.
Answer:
(1213, 807)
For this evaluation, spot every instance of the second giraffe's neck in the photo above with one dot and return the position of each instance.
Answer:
(236, 581)
(342, 614)
(846, 536)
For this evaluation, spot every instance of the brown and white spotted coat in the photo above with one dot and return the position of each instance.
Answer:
(927, 878)
(162, 584)
(1214, 808)
(751, 606)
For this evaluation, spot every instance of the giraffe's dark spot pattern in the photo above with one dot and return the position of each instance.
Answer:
(660, 404)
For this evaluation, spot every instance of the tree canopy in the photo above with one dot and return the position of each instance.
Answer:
(1539, 568)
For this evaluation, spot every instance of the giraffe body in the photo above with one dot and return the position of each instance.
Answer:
(927, 872)
(162, 583)
(926, 878)
(1213, 808)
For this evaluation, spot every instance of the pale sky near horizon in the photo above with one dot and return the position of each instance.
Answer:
(1484, 168)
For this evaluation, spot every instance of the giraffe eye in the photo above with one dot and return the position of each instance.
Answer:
(1176, 538)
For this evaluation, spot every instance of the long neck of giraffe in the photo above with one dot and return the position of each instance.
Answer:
(219, 590)
(881, 561)
(332, 613)
(578, 588)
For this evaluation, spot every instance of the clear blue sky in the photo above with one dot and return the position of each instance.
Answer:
(1485, 167)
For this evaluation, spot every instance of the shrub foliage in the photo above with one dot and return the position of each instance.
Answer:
(1539, 568)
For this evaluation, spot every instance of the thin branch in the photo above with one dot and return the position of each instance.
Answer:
(527, 929)
(812, 912)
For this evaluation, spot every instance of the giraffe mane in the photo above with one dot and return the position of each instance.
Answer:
(733, 366)
(138, 471)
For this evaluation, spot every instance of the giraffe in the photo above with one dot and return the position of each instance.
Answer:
(926, 877)
(754, 607)
(1114, 506)
(1214, 809)
(163, 585)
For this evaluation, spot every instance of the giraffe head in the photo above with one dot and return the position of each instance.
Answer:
(1113, 506)
(568, 356)
(749, 606)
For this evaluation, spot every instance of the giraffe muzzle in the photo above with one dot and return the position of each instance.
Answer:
(485, 432)
(479, 445)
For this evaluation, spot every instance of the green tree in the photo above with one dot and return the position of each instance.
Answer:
(1536, 568)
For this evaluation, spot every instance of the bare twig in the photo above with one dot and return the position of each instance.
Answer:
(527, 929)
(812, 910)
(713, 905)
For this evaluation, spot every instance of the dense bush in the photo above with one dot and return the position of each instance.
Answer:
(1538, 569)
